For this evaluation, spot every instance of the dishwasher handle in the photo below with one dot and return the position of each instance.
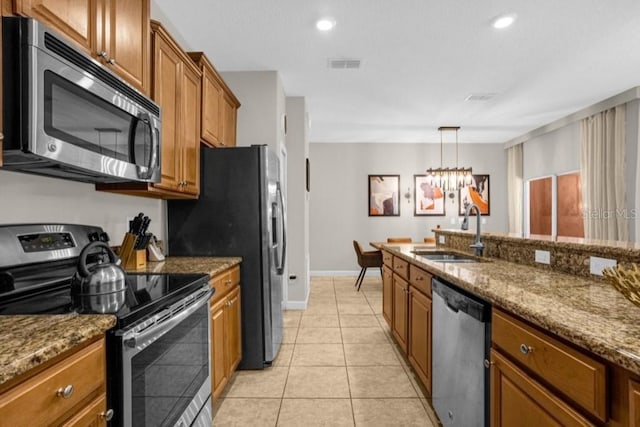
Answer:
(457, 301)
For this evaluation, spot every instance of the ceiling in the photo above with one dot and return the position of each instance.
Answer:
(422, 58)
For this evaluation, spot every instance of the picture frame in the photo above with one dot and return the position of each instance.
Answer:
(384, 195)
(428, 200)
(477, 192)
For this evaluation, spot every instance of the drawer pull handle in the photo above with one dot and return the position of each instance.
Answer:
(525, 349)
(420, 278)
(488, 364)
(227, 282)
(107, 415)
(66, 392)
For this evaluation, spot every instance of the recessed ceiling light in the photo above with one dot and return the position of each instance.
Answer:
(503, 21)
(325, 24)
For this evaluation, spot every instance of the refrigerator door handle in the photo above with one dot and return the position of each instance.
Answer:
(280, 268)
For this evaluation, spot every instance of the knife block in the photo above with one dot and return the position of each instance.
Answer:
(132, 259)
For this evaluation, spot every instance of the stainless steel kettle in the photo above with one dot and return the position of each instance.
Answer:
(99, 287)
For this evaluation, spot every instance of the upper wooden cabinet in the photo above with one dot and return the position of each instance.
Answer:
(219, 106)
(116, 33)
(176, 88)
(123, 40)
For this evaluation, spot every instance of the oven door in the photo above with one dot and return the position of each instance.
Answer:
(165, 366)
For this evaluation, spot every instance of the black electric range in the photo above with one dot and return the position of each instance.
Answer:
(158, 355)
(37, 262)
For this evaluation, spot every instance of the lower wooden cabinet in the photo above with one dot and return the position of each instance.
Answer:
(400, 322)
(387, 294)
(71, 392)
(634, 403)
(226, 335)
(518, 400)
(420, 335)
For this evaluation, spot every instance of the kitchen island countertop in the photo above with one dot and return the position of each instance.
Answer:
(28, 341)
(585, 311)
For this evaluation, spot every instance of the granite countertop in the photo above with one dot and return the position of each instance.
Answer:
(29, 341)
(174, 264)
(586, 311)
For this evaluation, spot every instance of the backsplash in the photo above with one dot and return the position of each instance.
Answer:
(28, 198)
(567, 255)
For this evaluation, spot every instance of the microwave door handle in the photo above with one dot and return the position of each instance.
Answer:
(150, 169)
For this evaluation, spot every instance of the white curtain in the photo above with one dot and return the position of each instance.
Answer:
(602, 164)
(515, 188)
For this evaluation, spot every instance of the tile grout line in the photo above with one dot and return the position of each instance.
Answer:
(288, 371)
(344, 355)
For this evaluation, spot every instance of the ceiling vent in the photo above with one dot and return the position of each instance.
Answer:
(343, 64)
(482, 97)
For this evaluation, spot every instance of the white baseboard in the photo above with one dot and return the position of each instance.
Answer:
(355, 273)
(297, 305)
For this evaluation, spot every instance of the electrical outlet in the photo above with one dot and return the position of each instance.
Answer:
(453, 221)
(483, 220)
(442, 240)
(596, 264)
(543, 257)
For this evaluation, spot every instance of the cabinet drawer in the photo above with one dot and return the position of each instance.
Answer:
(578, 376)
(40, 396)
(401, 267)
(387, 259)
(224, 282)
(420, 279)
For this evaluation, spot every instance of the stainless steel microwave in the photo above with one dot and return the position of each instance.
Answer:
(65, 115)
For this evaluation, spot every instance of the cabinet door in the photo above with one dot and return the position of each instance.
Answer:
(219, 376)
(75, 19)
(190, 140)
(634, 404)
(234, 333)
(166, 92)
(92, 415)
(420, 335)
(517, 400)
(212, 109)
(400, 311)
(387, 294)
(125, 40)
(229, 122)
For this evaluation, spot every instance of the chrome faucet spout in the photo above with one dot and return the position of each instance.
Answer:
(477, 246)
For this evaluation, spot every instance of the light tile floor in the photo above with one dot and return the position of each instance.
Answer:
(338, 366)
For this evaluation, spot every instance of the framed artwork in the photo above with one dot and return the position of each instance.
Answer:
(384, 195)
(477, 192)
(428, 199)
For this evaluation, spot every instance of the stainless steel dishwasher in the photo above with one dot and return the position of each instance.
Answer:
(461, 341)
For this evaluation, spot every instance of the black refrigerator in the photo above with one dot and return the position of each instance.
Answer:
(240, 212)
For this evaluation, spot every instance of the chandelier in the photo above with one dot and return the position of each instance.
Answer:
(449, 179)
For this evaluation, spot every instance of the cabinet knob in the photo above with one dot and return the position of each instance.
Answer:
(111, 61)
(65, 392)
(419, 278)
(103, 54)
(525, 349)
(107, 415)
(487, 364)
(227, 282)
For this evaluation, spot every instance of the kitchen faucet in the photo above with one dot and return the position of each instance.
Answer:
(478, 246)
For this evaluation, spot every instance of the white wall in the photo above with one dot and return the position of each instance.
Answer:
(339, 201)
(29, 198)
(297, 203)
(262, 104)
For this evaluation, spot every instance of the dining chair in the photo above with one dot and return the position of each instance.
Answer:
(366, 259)
(398, 239)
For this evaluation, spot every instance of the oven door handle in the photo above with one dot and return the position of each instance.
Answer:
(143, 339)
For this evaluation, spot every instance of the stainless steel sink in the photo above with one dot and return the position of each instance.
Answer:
(444, 256)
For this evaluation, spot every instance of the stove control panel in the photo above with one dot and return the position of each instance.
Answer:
(46, 241)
